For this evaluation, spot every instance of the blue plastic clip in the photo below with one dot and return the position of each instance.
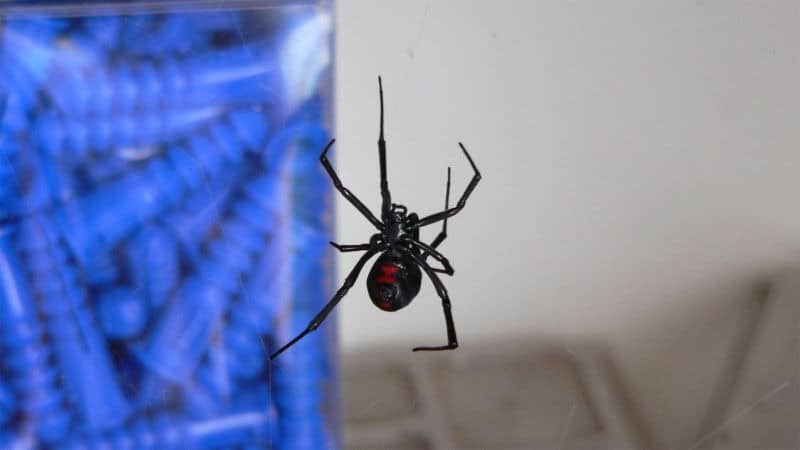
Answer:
(25, 354)
(78, 345)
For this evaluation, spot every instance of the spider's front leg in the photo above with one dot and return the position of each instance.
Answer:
(452, 340)
(337, 183)
(374, 241)
(350, 247)
(320, 317)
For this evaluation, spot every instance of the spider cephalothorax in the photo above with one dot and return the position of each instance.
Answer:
(396, 276)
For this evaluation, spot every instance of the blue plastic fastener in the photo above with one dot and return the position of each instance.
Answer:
(19, 94)
(101, 270)
(100, 219)
(212, 388)
(292, 255)
(218, 21)
(127, 136)
(299, 379)
(265, 295)
(182, 335)
(79, 347)
(28, 44)
(16, 82)
(173, 33)
(24, 353)
(153, 259)
(200, 212)
(9, 196)
(31, 193)
(8, 404)
(174, 433)
(302, 140)
(122, 313)
(104, 169)
(235, 77)
(66, 85)
(103, 30)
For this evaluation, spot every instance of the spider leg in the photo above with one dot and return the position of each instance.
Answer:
(320, 317)
(374, 241)
(442, 234)
(350, 248)
(429, 250)
(386, 197)
(461, 202)
(323, 158)
(452, 341)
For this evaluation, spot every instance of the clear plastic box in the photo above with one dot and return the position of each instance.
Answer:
(163, 225)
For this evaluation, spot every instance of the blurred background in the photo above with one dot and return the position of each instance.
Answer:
(635, 227)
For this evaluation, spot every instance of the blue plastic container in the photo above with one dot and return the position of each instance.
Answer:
(161, 231)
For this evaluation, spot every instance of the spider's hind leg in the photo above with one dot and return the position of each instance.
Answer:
(452, 340)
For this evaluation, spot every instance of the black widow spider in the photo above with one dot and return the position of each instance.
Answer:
(395, 277)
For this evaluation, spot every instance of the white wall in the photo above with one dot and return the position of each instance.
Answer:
(638, 157)
(641, 166)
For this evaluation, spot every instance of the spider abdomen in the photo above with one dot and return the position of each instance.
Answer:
(393, 281)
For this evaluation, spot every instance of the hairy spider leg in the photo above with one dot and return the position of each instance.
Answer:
(323, 158)
(461, 202)
(320, 317)
(386, 197)
(452, 341)
(429, 250)
(442, 234)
